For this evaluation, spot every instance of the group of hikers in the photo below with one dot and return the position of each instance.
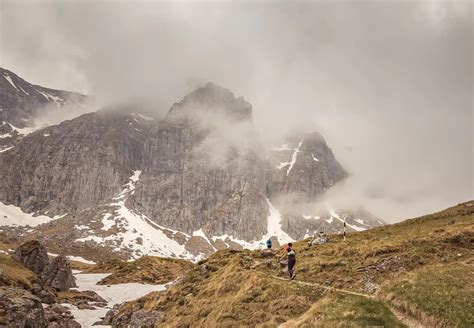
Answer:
(290, 254)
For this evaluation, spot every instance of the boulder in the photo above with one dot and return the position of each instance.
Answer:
(58, 274)
(20, 308)
(59, 316)
(32, 255)
(130, 318)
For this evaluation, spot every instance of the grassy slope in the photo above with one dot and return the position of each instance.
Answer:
(421, 266)
(147, 269)
(15, 274)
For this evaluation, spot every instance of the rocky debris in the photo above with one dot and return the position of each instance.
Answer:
(134, 319)
(368, 285)
(46, 296)
(58, 274)
(19, 308)
(388, 264)
(59, 316)
(32, 255)
(82, 299)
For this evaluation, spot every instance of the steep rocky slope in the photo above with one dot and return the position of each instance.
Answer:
(119, 183)
(419, 270)
(21, 101)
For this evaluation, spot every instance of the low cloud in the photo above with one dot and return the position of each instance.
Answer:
(389, 84)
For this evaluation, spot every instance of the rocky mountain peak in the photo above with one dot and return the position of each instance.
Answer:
(212, 99)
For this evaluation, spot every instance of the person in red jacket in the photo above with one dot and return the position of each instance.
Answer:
(290, 253)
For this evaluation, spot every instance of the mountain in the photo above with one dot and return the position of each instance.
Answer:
(21, 101)
(118, 183)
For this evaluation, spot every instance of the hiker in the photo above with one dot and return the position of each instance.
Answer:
(288, 250)
(269, 243)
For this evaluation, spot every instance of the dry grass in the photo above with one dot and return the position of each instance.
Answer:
(147, 269)
(15, 274)
(346, 310)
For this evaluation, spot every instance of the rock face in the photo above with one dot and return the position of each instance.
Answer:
(194, 178)
(19, 308)
(196, 181)
(133, 318)
(20, 101)
(74, 165)
(32, 255)
(58, 274)
(303, 165)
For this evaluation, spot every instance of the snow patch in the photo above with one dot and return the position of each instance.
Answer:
(336, 216)
(57, 100)
(81, 227)
(314, 157)
(293, 158)
(11, 215)
(107, 221)
(274, 226)
(9, 79)
(74, 258)
(5, 149)
(113, 294)
(137, 232)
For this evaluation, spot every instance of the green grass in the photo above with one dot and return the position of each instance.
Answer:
(444, 293)
(346, 310)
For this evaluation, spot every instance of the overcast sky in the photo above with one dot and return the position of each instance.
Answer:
(389, 84)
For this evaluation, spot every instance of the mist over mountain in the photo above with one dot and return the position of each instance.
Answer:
(389, 85)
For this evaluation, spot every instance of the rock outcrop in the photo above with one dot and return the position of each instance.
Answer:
(32, 255)
(303, 166)
(19, 308)
(21, 101)
(58, 274)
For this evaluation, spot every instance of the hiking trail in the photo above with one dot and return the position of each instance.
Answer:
(407, 320)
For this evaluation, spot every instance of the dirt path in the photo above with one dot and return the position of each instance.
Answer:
(408, 321)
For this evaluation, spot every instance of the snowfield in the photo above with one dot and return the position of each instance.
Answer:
(113, 294)
(11, 215)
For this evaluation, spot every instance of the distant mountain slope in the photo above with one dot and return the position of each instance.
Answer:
(21, 101)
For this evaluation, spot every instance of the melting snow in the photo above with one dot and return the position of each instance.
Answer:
(309, 217)
(138, 233)
(59, 101)
(108, 221)
(113, 294)
(314, 157)
(293, 157)
(9, 79)
(5, 149)
(336, 216)
(74, 258)
(11, 215)
(274, 226)
(81, 227)
(274, 229)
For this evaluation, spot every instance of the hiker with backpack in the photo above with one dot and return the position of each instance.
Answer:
(269, 243)
(291, 256)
